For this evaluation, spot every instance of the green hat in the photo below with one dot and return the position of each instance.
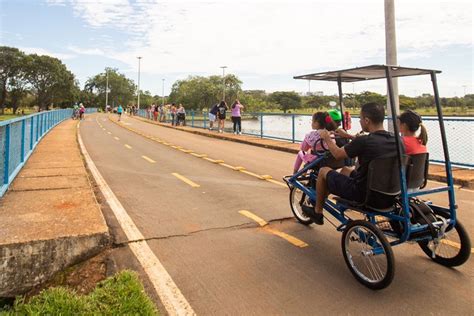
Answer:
(335, 115)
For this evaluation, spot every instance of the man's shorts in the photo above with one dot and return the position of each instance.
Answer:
(344, 186)
(212, 117)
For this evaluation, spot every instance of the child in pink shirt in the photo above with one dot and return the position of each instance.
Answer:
(312, 140)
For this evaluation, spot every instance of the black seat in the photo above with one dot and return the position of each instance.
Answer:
(383, 185)
(417, 171)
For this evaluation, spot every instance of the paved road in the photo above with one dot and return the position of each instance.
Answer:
(224, 262)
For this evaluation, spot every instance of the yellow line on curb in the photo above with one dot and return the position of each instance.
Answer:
(186, 180)
(116, 138)
(292, 240)
(148, 159)
(128, 146)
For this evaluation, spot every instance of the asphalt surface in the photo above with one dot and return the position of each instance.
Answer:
(224, 262)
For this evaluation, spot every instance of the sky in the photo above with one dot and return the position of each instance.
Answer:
(264, 43)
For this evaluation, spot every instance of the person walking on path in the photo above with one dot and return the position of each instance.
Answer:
(119, 112)
(173, 114)
(236, 117)
(212, 115)
(155, 112)
(221, 112)
(181, 113)
(82, 110)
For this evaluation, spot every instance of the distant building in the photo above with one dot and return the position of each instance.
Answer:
(426, 95)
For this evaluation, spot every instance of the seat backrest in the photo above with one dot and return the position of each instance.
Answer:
(417, 172)
(383, 181)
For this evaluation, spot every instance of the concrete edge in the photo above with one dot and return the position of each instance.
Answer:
(24, 265)
(463, 183)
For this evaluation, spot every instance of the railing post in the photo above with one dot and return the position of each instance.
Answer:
(192, 118)
(205, 115)
(292, 128)
(23, 132)
(37, 127)
(31, 132)
(6, 164)
(261, 125)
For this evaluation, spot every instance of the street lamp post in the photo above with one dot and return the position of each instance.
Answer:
(138, 92)
(223, 82)
(106, 88)
(464, 86)
(163, 91)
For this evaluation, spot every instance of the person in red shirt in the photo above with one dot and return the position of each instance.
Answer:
(410, 122)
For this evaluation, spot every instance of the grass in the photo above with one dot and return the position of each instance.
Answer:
(9, 114)
(122, 294)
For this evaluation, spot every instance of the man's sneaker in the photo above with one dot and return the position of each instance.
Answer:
(317, 218)
(240, 133)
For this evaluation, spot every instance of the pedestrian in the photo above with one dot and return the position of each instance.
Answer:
(155, 112)
(236, 117)
(181, 116)
(212, 115)
(173, 114)
(75, 110)
(163, 113)
(221, 112)
(82, 110)
(119, 112)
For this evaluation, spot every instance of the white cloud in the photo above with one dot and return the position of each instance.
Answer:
(268, 37)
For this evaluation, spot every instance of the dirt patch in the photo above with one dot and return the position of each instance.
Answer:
(82, 277)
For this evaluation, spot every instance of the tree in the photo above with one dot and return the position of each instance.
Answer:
(50, 80)
(121, 89)
(370, 97)
(11, 61)
(197, 92)
(285, 100)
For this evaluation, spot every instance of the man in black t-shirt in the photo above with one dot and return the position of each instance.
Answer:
(352, 185)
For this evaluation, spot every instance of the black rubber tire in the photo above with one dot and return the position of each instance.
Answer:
(296, 213)
(388, 252)
(464, 251)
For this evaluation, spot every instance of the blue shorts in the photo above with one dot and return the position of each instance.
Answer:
(344, 186)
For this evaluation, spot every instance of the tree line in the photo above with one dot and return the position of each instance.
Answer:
(32, 80)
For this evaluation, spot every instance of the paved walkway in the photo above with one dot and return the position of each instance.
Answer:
(226, 235)
(49, 218)
(462, 177)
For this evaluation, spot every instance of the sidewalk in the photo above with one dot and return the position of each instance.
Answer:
(462, 177)
(49, 218)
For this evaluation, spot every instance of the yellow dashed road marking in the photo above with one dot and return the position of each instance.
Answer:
(116, 138)
(148, 159)
(292, 240)
(251, 174)
(128, 146)
(251, 215)
(199, 155)
(277, 182)
(109, 133)
(453, 244)
(186, 180)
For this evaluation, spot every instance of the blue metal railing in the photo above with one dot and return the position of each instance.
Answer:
(19, 137)
(293, 127)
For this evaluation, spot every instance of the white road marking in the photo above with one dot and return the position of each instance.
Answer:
(170, 295)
